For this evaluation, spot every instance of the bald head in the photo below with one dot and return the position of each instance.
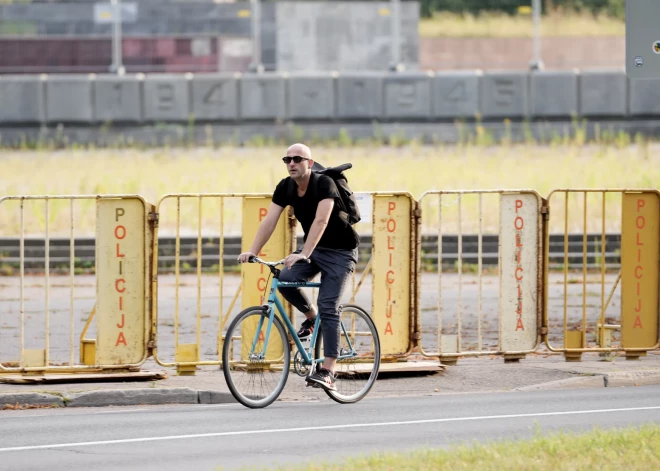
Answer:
(299, 149)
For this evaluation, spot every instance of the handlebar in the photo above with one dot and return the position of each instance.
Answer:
(271, 264)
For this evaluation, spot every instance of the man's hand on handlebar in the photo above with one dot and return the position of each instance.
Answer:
(293, 258)
(245, 257)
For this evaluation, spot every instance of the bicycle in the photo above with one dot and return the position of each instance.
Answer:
(264, 360)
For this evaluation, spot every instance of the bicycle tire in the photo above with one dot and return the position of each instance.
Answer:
(340, 373)
(235, 377)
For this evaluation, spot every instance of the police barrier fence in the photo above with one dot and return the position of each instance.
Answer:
(46, 321)
(422, 302)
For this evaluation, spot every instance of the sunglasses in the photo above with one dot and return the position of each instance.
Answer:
(297, 159)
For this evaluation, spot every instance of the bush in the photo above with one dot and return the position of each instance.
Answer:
(616, 8)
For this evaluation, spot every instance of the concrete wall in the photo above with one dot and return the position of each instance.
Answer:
(325, 97)
(344, 36)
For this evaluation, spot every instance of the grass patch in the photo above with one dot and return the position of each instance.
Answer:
(153, 173)
(604, 450)
(495, 24)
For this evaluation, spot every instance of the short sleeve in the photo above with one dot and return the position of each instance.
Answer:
(326, 188)
(280, 196)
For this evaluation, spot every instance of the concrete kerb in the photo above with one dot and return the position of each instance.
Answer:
(118, 397)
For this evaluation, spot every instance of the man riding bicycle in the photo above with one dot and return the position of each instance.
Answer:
(330, 247)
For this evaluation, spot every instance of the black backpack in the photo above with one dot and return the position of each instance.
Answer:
(348, 208)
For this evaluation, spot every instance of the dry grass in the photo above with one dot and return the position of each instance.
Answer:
(503, 25)
(415, 169)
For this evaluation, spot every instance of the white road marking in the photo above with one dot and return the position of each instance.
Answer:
(321, 427)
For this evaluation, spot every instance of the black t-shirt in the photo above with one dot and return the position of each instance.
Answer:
(338, 234)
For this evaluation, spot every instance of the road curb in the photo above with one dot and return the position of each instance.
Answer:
(631, 378)
(583, 381)
(117, 397)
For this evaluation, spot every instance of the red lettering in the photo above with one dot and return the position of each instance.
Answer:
(391, 206)
(389, 314)
(519, 310)
(121, 326)
(120, 280)
(388, 329)
(638, 289)
(117, 232)
(639, 255)
(263, 254)
(119, 254)
(262, 213)
(639, 305)
(121, 303)
(390, 246)
(121, 340)
(390, 281)
(638, 276)
(518, 241)
(391, 225)
(121, 267)
(638, 323)
(519, 204)
(640, 204)
(519, 269)
(519, 291)
(261, 284)
(262, 337)
(638, 241)
(390, 259)
(389, 293)
(518, 256)
(522, 223)
(519, 325)
(637, 222)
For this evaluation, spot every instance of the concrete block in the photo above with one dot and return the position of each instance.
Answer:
(645, 97)
(30, 399)
(505, 95)
(215, 97)
(263, 96)
(117, 98)
(360, 95)
(21, 99)
(132, 397)
(69, 99)
(456, 94)
(166, 98)
(603, 93)
(554, 94)
(408, 96)
(311, 96)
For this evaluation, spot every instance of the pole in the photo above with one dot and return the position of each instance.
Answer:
(396, 35)
(256, 65)
(537, 62)
(117, 61)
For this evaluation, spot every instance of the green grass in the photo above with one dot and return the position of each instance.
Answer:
(412, 167)
(631, 449)
(502, 25)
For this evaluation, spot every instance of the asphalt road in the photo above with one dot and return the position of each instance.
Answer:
(231, 436)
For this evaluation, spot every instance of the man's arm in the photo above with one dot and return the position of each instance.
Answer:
(323, 212)
(264, 232)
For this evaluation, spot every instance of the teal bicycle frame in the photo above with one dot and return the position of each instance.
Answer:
(274, 300)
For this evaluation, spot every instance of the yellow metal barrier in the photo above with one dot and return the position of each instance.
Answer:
(593, 326)
(253, 280)
(464, 329)
(122, 269)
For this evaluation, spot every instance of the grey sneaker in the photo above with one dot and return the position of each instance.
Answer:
(323, 378)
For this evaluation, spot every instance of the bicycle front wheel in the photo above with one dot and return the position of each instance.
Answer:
(359, 355)
(255, 375)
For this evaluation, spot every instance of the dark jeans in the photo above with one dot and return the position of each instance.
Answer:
(335, 266)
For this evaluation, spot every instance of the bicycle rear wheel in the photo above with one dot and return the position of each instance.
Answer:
(359, 342)
(255, 377)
